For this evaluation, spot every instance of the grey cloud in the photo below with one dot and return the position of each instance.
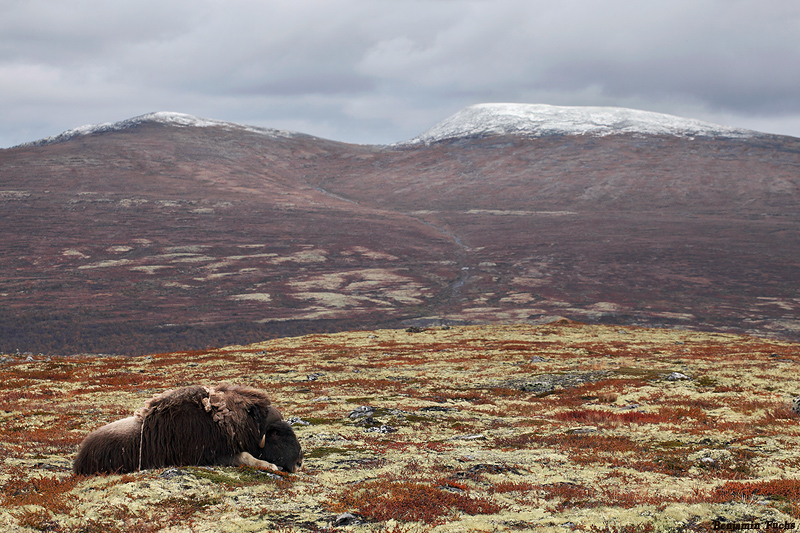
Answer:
(384, 70)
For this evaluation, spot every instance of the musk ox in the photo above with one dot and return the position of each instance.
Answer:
(198, 425)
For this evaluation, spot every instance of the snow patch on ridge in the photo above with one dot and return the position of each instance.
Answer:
(161, 117)
(539, 120)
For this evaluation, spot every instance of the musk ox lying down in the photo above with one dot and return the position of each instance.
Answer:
(198, 425)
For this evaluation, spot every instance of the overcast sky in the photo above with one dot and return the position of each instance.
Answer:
(381, 71)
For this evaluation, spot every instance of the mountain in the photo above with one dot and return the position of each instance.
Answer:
(531, 120)
(168, 231)
(162, 117)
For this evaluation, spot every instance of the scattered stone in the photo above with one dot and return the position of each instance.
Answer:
(796, 405)
(710, 457)
(470, 437)
(191, 364)
(381, 429)
(438, 409)
(582, 431)
(414, 329)
(364, 410)
(314, 376)
(677, 376)
(538, 387)
(546, 383)
(347, 519)
(297, 421)
(170, 473)
(367, 421)
(538, 359)
(372, 336)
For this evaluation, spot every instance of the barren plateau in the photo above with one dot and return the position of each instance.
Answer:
(552, 428)
(162, 236)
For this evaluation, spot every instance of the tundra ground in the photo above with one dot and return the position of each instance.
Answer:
(495, 428)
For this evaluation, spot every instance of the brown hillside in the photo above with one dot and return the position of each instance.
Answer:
(158, 237)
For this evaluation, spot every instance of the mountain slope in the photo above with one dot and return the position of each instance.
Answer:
(171, 232)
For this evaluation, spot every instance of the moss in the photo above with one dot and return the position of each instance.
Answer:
(414, 419)
(670, 444)
(233, 476)
(706, 381)
(362, 400)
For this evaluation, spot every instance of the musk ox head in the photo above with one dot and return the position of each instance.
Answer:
(197, 425)
(280, 446)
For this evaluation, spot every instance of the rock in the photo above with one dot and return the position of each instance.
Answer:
(438, 409)
(346, 519)
(361, 411)
(537, 387)
(711, 456)
(796, 405)
(677, 376)
(469, 437)
(170, 473)
(582, 431)
(538, 359)
(297, 421)
(367, 421)
(381, 429)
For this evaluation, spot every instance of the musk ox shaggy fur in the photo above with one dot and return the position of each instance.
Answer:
(197, 425)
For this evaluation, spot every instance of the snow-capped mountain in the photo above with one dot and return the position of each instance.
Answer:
(537, 120)
(161, 117)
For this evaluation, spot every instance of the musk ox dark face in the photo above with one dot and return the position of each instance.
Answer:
(198, 425)
(281, 447)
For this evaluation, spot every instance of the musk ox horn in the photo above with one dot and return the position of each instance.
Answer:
(263, 441)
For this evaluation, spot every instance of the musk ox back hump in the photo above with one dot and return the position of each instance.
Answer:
(112, 448)
(177, 430)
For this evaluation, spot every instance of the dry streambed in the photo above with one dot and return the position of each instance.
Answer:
(552, 428)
